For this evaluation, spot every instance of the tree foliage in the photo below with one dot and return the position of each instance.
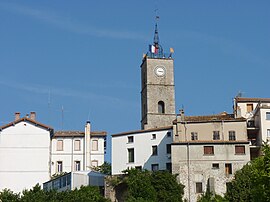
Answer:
(148, 186)
(105, 168)
(252, 182)
(84, 194)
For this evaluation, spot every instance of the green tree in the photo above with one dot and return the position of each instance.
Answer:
(105, 168)
(252, 182)
(146, 186)
(7, 195)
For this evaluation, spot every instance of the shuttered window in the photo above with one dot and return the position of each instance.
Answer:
(208, 150)
(77, 145)
(94, 145)
(239, 149)
(59, 146)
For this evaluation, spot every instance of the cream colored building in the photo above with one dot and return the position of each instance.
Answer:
(207, 150)
(77, 150)
(257, 113)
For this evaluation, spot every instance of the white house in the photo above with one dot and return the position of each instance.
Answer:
(77, 150)
(25, 146)
(143, 149)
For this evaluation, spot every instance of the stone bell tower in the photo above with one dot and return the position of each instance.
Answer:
(157, 87)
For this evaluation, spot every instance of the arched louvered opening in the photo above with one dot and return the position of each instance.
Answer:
(161, 107)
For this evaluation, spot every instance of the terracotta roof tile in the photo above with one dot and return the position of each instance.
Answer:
(244, 99)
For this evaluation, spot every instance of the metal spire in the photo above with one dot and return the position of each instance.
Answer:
(156, 38)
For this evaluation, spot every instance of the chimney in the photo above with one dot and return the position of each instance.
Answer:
(182, 115)
(87, 146)
(17, 116)
(33, 115)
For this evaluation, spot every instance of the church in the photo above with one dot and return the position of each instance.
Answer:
(204, 151)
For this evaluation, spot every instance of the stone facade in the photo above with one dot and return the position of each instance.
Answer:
(157, 87)
(207, 159)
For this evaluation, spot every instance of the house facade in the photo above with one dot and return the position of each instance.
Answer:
(25, 159)
(257, 113)
(207, 151)
(77, 150)
(143, 149)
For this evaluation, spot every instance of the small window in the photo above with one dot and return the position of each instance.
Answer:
(169, 134)
(95, 145)
(60, 145)
(216, 135)
(131, 155)
(168, 148)
(138, 167)
(228, 168)
(154, 136)
(77, 165)
(155, 167)
(161, 107)
(194, 136)
(154, 150)
(59, 167)
(199, 187)
(94, 163)
(130, 139)
(268, 133)
(208, 150)
(239, 149)
(77, 145)
(169, 167)
(249, 107)
(215, 166)
(267, 115)
(232, 135)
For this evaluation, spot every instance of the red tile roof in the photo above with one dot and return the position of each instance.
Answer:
(244, 99)
(26, 119)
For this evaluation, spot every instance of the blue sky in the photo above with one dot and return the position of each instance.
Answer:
(85, 56)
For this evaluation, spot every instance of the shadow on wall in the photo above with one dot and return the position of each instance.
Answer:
(161, 154)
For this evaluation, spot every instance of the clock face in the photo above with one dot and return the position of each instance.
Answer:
(160, 70)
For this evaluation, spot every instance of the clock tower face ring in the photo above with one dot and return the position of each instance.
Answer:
(160, 70)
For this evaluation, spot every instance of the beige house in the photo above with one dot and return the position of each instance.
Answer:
(77, 150)
(257, 113)
(207, 150)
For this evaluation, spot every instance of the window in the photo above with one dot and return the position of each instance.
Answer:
(215, 166)
(239, 149)
(60, 145)
(154, 150)
(161, 107)
(267, 115)
(168, 148)
(199, 187)
(216, 135)
(77, 145)
(131, 155)
(154, 167)
(154, 136)
(169, 167)
(194, 136)
(249, 107)
(208, 150)
(59, 166)
(77, 165)
(94, 145)
(94, 163)
(268, 133)
(232, 135)
(130, 139)
(228, 168)
(138, 167)
(169, 134)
